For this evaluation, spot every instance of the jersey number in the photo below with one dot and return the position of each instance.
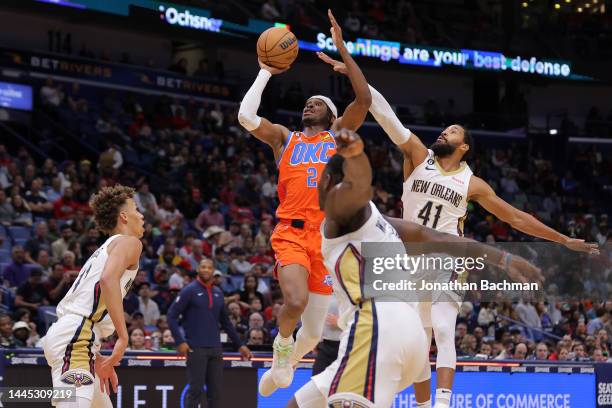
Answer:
(82, 275)
(426, 211)
(311, 181)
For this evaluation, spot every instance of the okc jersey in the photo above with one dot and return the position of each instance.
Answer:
(300, 167)
(85, 296)
(435, 198)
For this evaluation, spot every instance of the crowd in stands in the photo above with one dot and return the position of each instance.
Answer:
(208, 189)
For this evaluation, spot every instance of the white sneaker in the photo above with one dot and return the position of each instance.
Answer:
(267, 386)
(282, 369)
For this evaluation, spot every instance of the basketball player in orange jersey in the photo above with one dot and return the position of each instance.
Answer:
(301, 158)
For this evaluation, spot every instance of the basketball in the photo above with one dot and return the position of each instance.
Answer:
(277, 47)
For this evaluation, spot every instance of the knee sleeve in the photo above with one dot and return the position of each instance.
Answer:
(348, 399)
(313, 320)
(444, 317)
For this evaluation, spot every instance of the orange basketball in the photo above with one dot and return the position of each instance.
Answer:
(277, 47)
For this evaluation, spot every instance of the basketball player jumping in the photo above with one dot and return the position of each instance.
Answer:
(437, 187)
(93, 307)
(380, 351)
(301, 157)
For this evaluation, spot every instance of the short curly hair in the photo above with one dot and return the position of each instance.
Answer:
(106, 204)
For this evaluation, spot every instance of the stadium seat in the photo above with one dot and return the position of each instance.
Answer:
(5, 255)
(48, 315)
(20, 233)
(20, 241)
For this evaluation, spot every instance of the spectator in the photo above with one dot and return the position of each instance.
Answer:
(69, 262)
(486, 351)
(256, 321)
(255, 337)
(564, 354)
(168, 343)
(528, 314)
(598, 356)
(240, 265)
(261, 257)
(177, 279)
(40, 241)
(6, 331)
(169, 213)
(197, 254)
(250, 291)
(22, 214)
(236, 318)
(520, 352)
(51, 95)
(147, 306)
(58, 283)
(137, 340)
(541, 352)
(16, 272)
(203, 310)
(66, 206)
(145, 201)
(32, 293)
(599, 322)
(21, 334)
(110, 161)
(37, 200)
(209, 217)
(7, 213)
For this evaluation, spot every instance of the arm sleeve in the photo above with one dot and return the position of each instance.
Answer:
(247, 115)
(387, 119)
(229, 328)
(177, 308)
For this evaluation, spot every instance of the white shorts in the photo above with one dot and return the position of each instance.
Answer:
(383, 351)
(70, 347)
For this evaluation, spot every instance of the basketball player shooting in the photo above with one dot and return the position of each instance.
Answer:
(93, 307)
(380, 351)
(444, 209)
(301, 157)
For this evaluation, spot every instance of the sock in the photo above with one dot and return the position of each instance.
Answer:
(443, 397)
(424, 404)
(284, 341)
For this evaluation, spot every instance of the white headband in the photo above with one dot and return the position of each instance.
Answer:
(328, 102)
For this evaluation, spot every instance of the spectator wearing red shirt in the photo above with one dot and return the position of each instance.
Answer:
(261, 257)
(66, 206)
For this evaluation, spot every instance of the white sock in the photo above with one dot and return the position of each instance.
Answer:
(443, 397)
(424, 404)
(283, 341)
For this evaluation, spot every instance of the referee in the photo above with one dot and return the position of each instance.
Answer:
(202, 308)
(327, 350)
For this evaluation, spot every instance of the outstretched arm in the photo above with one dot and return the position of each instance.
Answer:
(413, 234)
(483, 194)
(356, 112)
(272, 134)
(411, 146)
(355, 189)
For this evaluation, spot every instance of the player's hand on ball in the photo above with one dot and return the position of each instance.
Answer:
(349, 144)
(182, 349)
(335, 30)
(580, 245)
(338, 66)
(272, 70)
(105, 371)
(520, 270)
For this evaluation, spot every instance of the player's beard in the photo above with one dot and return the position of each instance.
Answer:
(442, 149)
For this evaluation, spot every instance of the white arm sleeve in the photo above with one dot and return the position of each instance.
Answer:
(247, 115)
(386, 118)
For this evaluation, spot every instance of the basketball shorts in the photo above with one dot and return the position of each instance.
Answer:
(302, 246)
(70, 347)
(382, 351)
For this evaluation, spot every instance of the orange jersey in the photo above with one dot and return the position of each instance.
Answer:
(299, 170)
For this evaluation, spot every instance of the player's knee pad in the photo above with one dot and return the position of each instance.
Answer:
(348, 400)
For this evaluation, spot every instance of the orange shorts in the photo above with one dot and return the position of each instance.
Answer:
(303, 247)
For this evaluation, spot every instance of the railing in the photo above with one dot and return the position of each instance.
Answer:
(530, 330)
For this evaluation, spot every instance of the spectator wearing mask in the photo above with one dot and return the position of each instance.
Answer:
(202, 308)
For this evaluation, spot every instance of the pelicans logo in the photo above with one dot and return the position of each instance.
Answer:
(77, 378)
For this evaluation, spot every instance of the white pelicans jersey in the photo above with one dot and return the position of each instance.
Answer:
(85, 296)
(435, 198)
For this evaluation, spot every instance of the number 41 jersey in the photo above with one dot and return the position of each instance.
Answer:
(435, 198)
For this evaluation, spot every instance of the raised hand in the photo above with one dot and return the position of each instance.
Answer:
(272, 70)
(337, 66)
(335, 30)
(580, 245)
(520, 270)
(348, 143)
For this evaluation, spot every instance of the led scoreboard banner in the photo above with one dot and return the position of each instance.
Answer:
(195, 18)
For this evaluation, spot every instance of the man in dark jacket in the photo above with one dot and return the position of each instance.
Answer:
(202, 308)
